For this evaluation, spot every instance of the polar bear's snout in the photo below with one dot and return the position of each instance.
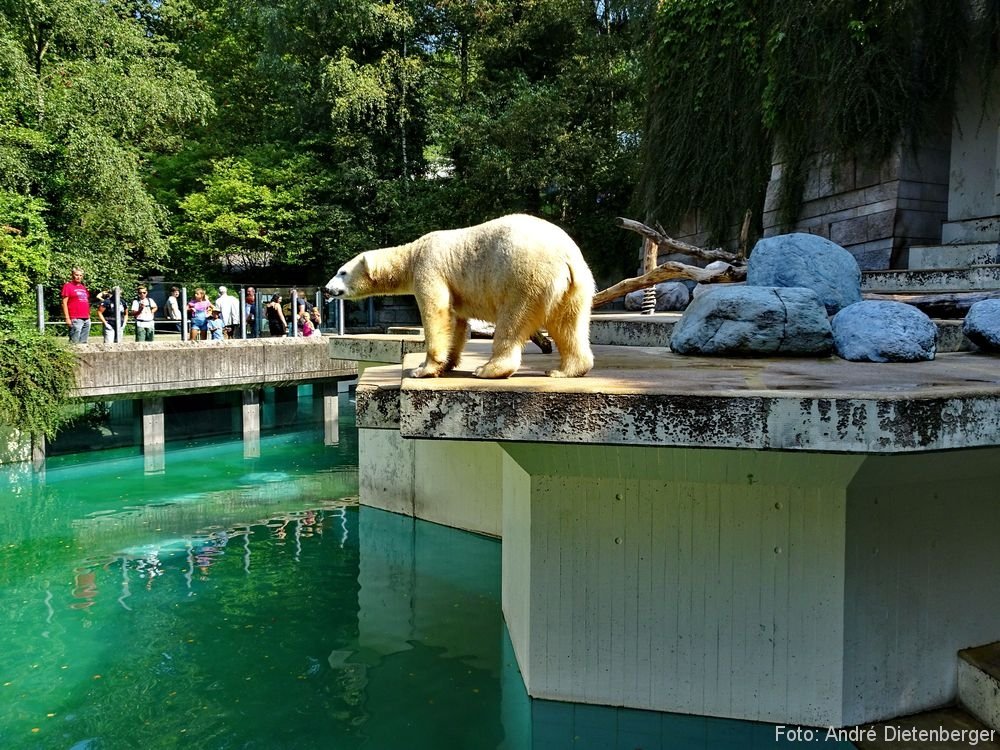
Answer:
(336, 285)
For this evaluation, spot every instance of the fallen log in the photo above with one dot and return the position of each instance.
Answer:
(666, 272)
(668, 244)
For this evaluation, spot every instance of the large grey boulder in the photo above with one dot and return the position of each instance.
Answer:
(883, 331)
(741, 320)
(807, 260)
(670, 295)
(982, 325)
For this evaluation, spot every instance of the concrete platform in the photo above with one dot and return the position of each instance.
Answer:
(648, 396)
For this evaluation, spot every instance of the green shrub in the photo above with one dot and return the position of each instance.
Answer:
(36, 374)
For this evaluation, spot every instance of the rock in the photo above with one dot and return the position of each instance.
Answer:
(982, 325)
(883, 331)
(807, 260)
(670, 295)
(730, 319)
(700, 289)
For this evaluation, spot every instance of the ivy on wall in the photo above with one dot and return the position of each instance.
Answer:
(731, 80)
(36, 374)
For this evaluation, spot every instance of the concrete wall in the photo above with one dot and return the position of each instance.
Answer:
(920, 562)
(451, 482)
(809, 588)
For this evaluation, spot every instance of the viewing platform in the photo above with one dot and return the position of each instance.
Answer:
(797, 541)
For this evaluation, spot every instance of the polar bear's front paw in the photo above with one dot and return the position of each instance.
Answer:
(491, 370)
(425, 371)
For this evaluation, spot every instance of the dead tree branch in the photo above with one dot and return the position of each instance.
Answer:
(668, 244)
(668, 271)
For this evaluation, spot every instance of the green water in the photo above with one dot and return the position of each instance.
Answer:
(232, 602)
(241, 603)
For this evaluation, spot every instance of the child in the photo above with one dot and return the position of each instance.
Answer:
(305, 326)
(215, 326)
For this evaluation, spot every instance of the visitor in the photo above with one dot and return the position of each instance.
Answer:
(251, 312)
(112, 314)
(76, 308)
(199, 309)
(229, 310)
(305, 325)
(216, 326)
(316, 318)
(173, 308)
(275, 317)
(143, 311)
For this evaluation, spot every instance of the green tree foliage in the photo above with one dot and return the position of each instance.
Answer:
(93, 92)
(86, 92)
(731, 79)
(402, 117)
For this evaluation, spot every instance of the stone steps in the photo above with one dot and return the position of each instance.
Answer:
(924, 257)
(928, 280)
(979, 683)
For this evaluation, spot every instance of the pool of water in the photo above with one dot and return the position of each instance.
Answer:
(228, 602)
(221, 601)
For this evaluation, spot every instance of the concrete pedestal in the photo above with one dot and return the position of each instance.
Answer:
(331, 413)
(809, 589)
(453, 483)
(791, 541)
(153, 441)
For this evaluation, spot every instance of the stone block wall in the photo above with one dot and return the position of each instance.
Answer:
(876, 211)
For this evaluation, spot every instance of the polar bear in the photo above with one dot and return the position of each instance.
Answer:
(519, 272)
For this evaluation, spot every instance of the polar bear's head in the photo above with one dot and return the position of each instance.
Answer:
(353, 279)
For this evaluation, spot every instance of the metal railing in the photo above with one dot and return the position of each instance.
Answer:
(331, 312)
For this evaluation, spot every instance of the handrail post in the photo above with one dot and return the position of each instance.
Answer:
(184, 313)
(340, 317)
(118, 314)
(40, 292)
(243, 312)
(295, 313)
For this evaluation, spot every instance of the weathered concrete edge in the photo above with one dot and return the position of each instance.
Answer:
(876, 426)
(376, 398)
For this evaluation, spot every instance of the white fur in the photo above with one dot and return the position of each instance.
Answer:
(518, 272)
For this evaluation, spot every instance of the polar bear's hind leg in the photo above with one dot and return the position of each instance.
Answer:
(569, 327)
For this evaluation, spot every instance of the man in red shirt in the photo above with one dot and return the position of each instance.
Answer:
(76, 308)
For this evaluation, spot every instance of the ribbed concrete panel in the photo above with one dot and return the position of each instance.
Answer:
(715, 634)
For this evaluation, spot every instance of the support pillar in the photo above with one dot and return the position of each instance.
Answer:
(153, 435)
(251, 423)
(805, 588)
(331, 414)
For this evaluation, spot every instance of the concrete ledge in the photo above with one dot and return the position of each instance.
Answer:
(976, 278)
(129, 370)
(645, 396)
(374, 347)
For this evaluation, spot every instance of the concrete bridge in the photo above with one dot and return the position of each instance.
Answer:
(148, 372)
